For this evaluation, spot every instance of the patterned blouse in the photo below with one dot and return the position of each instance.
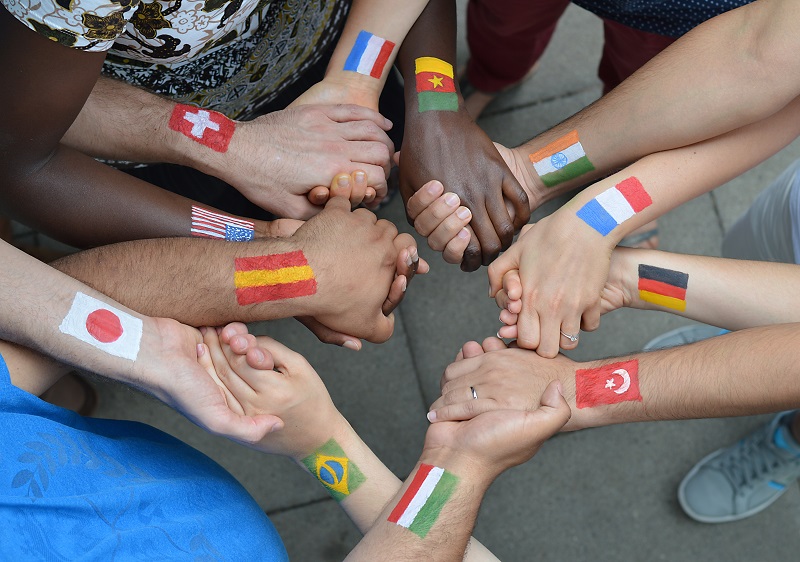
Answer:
(229, 55)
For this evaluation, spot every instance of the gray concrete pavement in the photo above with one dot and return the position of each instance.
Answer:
(601, 494)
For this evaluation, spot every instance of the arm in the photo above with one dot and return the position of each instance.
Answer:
(752, 371)
(321, 441)
(208, 282)
(443, 143)
(129, 348)
(564, 259)
(711, 81)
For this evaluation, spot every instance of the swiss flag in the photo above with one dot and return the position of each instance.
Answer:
(210, 128)
(609, 384)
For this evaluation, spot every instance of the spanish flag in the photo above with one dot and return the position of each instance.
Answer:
(436, 90)
(273, 277)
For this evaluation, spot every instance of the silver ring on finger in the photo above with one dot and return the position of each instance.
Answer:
(570, 337)
(474, 394)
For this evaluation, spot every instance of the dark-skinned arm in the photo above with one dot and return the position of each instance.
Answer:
(447, 145)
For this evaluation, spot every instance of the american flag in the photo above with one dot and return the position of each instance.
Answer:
(214, 225)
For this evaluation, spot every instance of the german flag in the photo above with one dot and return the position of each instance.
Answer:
(663, 287)
(436, 90)
(273, 277)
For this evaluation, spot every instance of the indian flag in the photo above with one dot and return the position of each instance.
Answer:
(561, 160)
(273, 277)
(436, 89)
(424, 499)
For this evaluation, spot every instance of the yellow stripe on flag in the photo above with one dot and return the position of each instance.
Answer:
(260, 277)
(432, 64)
(661, 300)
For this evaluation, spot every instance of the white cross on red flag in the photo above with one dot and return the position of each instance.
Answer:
(210, 128)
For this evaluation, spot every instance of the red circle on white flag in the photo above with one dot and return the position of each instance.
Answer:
(104, 326)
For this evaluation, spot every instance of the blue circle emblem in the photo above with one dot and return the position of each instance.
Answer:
(559, 160)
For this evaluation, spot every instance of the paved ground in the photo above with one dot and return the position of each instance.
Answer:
(601, 494)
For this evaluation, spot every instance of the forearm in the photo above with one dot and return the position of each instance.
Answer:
(441, 529)
(709, 82)
(30, 370)
(748, 372)
(704, 288)
(372, 485)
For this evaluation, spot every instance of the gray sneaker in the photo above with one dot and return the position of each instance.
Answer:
(743, 479)
(683, 335)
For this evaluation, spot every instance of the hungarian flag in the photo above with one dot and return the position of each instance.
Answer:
(209, 128)
(561, 160)
(273, 277)
(664, 287)
(609, 384)
(436, 90)
(424, 499)
(369, 55)
(105, 327)
(615, 205)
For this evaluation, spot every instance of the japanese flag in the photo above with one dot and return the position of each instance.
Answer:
(103, 326)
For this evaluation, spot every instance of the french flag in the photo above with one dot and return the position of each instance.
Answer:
(369, 55)
(615, 205)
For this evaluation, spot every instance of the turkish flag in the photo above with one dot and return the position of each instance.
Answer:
(210, 128)
(609, 384)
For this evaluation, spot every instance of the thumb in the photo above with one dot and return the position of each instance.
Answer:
(396, 158)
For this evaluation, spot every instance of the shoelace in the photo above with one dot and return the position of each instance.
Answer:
(752, 458)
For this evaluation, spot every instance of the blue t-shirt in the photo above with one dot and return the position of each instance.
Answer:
(672, 18)
(74, 488)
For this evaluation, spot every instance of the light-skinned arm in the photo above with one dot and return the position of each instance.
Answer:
(310, 274)
(563, 260)
(261, 375)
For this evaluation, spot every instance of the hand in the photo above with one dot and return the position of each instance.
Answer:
(276, 159)
(175, 370)
(441, 219)
(278, 228)
(563, 269)
(503, 379)
(496, 440)
(338, 90)
(261, 376)
(450, 147)
(362, 272)
(353, 186)
(617, 292)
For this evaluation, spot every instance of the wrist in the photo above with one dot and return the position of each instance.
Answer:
(358, 89)
(332, 426)
(470, 471)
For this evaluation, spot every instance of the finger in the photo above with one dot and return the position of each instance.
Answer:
(383, 330)
(326, 335)
(232, 329)
(343, 113)
(221, 372)
(431, 217)
(318, 195)
(504, 303)
(508, 318)
(512, 283)
(472, 255)
(371, 155)
(471, 349)
(513, 192)
(463, 410)
(553, 412)
(407, 263)
(376, 175)
(338, 203)
(423, 198)
(528, 329)
(396, 293)
(549, 337)
(238, 379)
(499, 267)
(449, 228)
(366, 131)
(503, 223)
(570, 334)
(484, 228)
(246, 429)
(341, 186)
(454, 250)
(458, 369)
(590, 320)
(508, 332)
(493, 344)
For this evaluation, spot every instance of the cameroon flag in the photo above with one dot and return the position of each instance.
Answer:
(436, 90)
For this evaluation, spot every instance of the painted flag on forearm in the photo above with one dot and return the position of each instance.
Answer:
(436, 89)
(561, 160)
(369, 55)
(273, 277)
(424, 499)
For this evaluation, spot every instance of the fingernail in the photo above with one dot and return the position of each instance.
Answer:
(350, 344)
(433, 188)
(259, 355)
(451, 199)
(343, 181)
(463, 213)
(463, 233)
(275, 427)
(431, 416)
(560, 388)
(361, 177)
(414, 255)
(409, 259)
(389, 123)
(498, 335)
(203, 330)
(405, 284)
(201, 350)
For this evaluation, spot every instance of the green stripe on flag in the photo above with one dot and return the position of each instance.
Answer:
(353, 478)
(429, 513)
(437, 101)
(568, 172)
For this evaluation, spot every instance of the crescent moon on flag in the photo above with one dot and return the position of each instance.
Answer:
(626, 380)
